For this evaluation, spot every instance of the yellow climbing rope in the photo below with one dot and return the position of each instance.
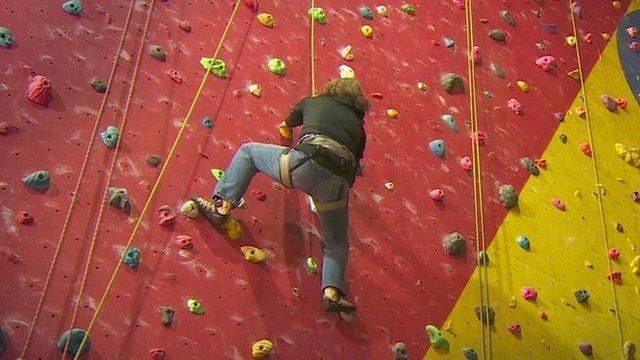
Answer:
(110, 172)
(76, 189)
(155, 187)
(313, 48)
(605, 234)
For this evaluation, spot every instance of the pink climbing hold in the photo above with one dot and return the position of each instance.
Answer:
(436, 194)
(515, 106)
(185, 25)
(184, 242)
(515, 328)
(166, 215)
(634, 46)
(251, 4)
(477, 58)
(459, 4)
(632, 31)
(586, 149)
(588, 38)
(613, 253)
(39, 90)
(24, 218)
(174, 75)
(157, 354)
(479, 136)
(546, 62)
(529, 293)
(259, 195)
(8, 127)
(558, 204)
(466, 163)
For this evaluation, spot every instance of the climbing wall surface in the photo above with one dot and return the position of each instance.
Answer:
(399, 276)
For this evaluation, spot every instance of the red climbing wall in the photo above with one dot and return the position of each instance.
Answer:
(399, 276)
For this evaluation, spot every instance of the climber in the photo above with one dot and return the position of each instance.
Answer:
(323, 164)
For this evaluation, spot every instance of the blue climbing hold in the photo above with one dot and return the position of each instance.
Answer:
(6, 37)
(132, 257)
(73, 7)
(74, 344)
(39, 180)
(207, 122)
(451, 123)
(366, 13)
(469, 353)
(524, 242)
(110, 136)
(437, 148)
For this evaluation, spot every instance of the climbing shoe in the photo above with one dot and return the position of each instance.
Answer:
(207, 207)
(340, 305)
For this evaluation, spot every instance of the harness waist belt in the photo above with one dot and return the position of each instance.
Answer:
(330, 144)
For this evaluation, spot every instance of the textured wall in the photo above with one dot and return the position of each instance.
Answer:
(399, 275)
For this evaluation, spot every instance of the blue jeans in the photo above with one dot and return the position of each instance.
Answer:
(318, 182)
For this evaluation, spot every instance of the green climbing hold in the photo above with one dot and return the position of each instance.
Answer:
(436, 337)
(39, 180)
(409, 9)
(217, 173)
(216, 66)
(454, 244)
(312, 265)
(6, 37)
(207, 122)
(77, 335)
(508, 196)
(487, 94)
(157, 52)
(195, 306)
(540, 46)
(73, 7)
(448, 42)
(131, 257)
(110, 136)
(119, 198)
(508, 17)
(318, 15)
(152, 160)
(497, 70)
(452, 83)
(451, 123)
(277, 66)
(98, 85)
(498, 35)
(366, 13)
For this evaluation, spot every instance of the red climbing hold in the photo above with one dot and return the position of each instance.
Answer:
(39, 90)
(479, 136)
(185, 25)
(166, 215)
(174, 75)
(24, 218)
(8, 127)
(588, 38)
(586, 149)
(515, 328)
(184, 242)
(615, 276)
(252, 4)
(259, 195)
(157, 354)
(377, 96)
(541, 163)
(613, 253)
(436, 194)
(621, 102)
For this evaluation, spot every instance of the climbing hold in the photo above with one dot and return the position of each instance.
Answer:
(550, 28)
(529, 165)
(459, 4)
(466, 163)
(216, 66)
(253, 254)
(588, 38)
(400, 351)
(184, 25)
(409, 9)
(528, 293)
(615, 277)
(207, 122)
(563, 138)
(621, 102)
(184, 242)
(131, 257)
(576, 9)
(508, 196)
(436, 194)
(285, 131)
(585, 148)
(195, 306)
(6, 37)
(454, 244)
(541, 163)
(389, 186)
(448, 42)
(635, 265)
(635, 196)
(486, 314)
(628, 350)
(73, 7)
(166, 315)
(634, 46)
(487, 94)
(498, 35)
(152, 160)
(581, 295)
(346, 72)
(277, 66)
(559, 204)
(515, 106)
(540, 46)
(234, 230)
(157, 354)
(422, 86)
(266, 19)
(543, 315)
(98, 85)
(609, 102)
(251, 4)
(508, 17)
(436, 337)
(469, 353)
(632, 31)
(174, 75)
(586, 349)
(382, 10)
(119, 198)
(482, 257)
(259, 195)
(366, 30)
(39, 90)
(437, 148)
(77, 335)
(571, 41)
(630, 155)
(166, 215)
(475, 55)
(261, 349)
(580, 111)
(613, 253)
(619, 228)
(318, 15)
(24, 218)
(524, 242)
(312, 265)
(366, 13)
(110, 136)
(452, 83)
(8, 127)
(559, 116)
(546, 62)
(514, 328)
(347, 53)
(255, 90)
(574, 74)
(157, 52)
(189, 209)
(523, 85)
(478, 136)
(39, 180)
(451, 123)
(217, 173)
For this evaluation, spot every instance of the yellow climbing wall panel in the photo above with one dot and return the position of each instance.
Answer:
(561, 242)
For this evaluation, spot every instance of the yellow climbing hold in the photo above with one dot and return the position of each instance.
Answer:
(286, 132)
(580, 111)
(346, 72)
(635, 265)
(261, 349)
(255, 90)
(616, 4)
(389, 186)
(392, 113)
(574, 74)
(629, 155)
(577, 193)
(606, 36)
(631, 245)
(523, 85)
(347, 53)
(588, 264)
(266, 19)
(367, 31)
(512, 302)
(234, 230)
(422, 86)
(253, 254)
(382, 10)
(571, 41)
(189, 209)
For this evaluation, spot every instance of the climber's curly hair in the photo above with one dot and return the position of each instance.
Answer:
(348, 88)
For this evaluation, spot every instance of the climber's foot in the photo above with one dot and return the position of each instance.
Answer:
(340, 305)
(209, 208)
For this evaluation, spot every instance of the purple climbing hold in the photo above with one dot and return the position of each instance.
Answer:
(550, 28)
(609, 102)
(559, 116)
(576, 8)
(635, 196)
(586, 349)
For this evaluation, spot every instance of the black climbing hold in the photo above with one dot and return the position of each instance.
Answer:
(563, 138)
(76, 339)
(400, 351)
(498, 35)
(119, 198)
(470, 353)
(508, 196)
(152, 160)
(581, 295)
(497, 70)
(99, 85)
(529, 165)
(166, 315)
(486, 314)
(157, 52)
(508, 17)
(454, 244)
